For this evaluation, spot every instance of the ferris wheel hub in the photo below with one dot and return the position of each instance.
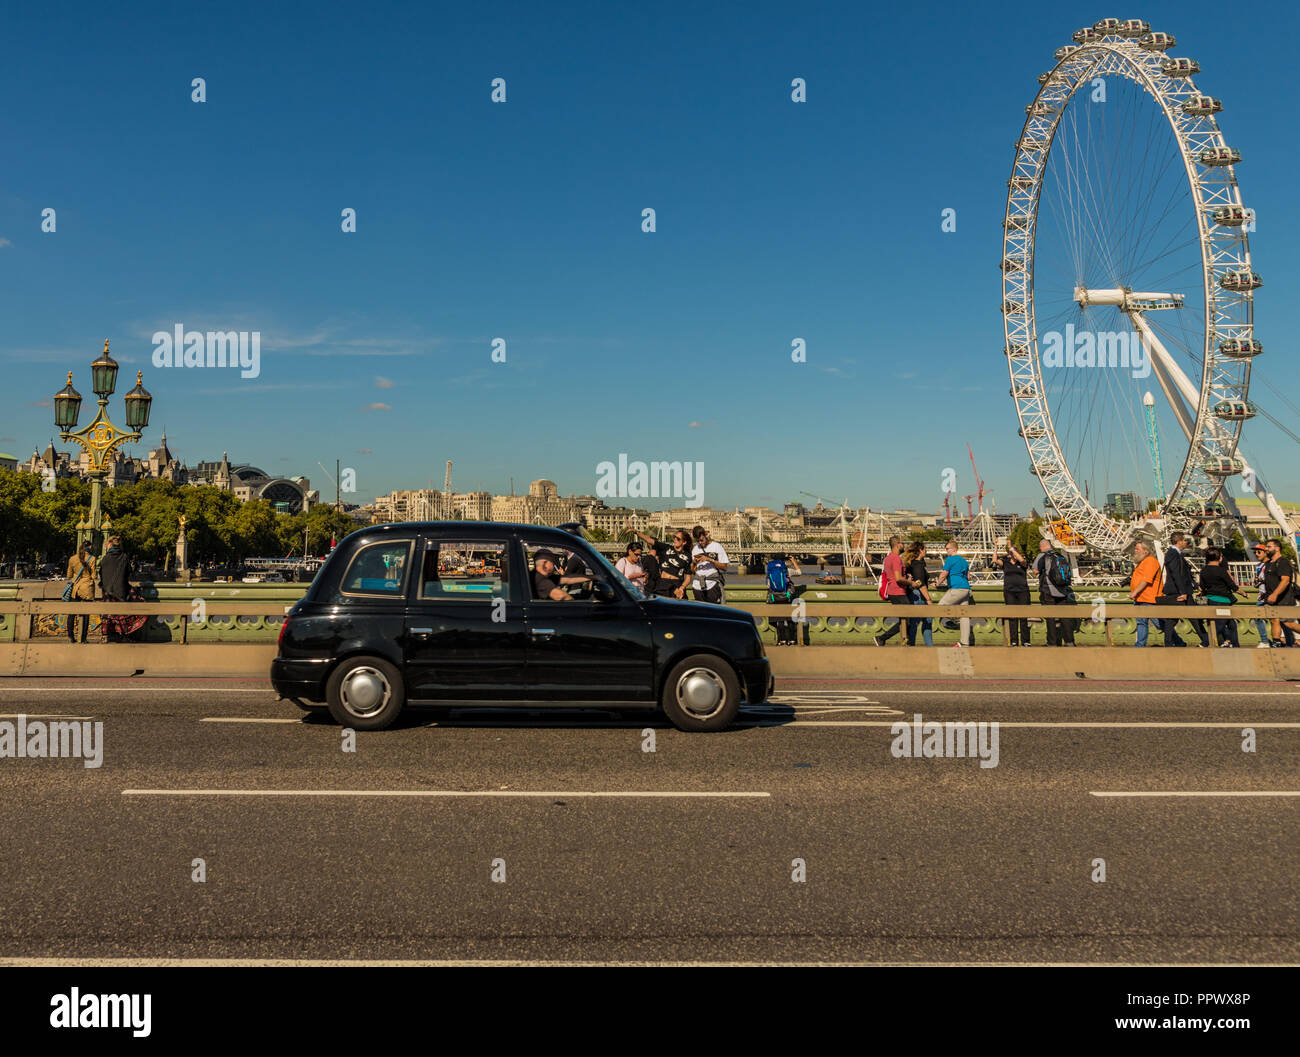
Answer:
(1127, 300)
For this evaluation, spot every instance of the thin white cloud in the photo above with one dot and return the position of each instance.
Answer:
(383, 383)
(377, 407)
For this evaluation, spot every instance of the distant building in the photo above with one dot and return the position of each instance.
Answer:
(8, 462)
(1123, 504)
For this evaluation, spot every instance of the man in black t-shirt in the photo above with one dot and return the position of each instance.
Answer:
(674, 560)
(546, 579)
(1279, 588)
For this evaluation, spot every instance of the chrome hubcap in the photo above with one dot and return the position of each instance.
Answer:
(701, 692)
(364, 691)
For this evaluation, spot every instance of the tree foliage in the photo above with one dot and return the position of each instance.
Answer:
(219, 528)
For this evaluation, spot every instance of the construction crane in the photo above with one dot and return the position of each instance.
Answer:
(839, 506)
(947, 512)
(970, 514)
(980, 490)
(446, 493)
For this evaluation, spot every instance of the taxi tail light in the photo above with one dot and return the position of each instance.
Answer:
(283, 628)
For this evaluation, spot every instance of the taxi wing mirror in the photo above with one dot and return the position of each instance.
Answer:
(602, 591)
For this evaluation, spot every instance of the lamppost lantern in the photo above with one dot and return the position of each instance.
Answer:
(67, 406)
(138, 402)
(103, 373)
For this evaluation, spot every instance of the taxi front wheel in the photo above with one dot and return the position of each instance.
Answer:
(365, 693)
(701, 693)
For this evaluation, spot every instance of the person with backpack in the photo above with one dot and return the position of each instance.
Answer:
(1279, 585)
(918, 592)
(893, 586)
(1144, 587)
(1220, 588)
(781, 591)
(81, 588)
(1054, 590)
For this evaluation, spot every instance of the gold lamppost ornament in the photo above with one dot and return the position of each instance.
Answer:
(101, 438)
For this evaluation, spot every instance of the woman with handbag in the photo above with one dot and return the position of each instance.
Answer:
(80, 588)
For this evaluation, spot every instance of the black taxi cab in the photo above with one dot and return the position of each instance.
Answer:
(459, 613)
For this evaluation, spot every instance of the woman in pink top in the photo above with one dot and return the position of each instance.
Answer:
(630, 565)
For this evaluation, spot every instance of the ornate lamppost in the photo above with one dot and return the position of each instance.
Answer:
(101, 438)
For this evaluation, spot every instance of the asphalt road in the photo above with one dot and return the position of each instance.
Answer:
(907, 859)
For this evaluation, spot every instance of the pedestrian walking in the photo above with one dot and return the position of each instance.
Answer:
(709, 563)
(1180, 590)
(893, 587)
(918, 592)
(782, 591)
(955, 575)
(1279, 585)
(1144, 586)
(1054, 590)
(1220, 588)
(1015, 591)
(81, 588)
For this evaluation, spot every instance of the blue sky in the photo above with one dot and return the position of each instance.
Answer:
(522, 221)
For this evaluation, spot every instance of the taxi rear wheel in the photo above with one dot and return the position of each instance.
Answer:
(701, 693)
(365, 693)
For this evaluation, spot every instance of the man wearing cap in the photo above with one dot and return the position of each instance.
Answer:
(546, 579)
(1261, 559)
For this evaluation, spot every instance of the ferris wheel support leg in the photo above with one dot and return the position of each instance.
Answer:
(1174, 382)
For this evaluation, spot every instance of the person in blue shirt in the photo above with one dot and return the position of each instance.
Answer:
(955, 576)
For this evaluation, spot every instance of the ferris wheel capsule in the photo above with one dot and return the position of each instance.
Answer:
(1200, 105)
(1223, 465)
(1183, 67)
(1231, 216)
(1219, 156)
(1105, 26)
(1240, 349)
(1013, 308)
(1087, 35)
(1234, 410)
(1241, 280)
(1024, 390)
(1015, 223)
(1065, 51)
(1156, 41)
(1021, 183)
(1013, 264)
(1043, 78)
(1032, 432)
(1017, 351)
(1133, 28)
(1038, 110)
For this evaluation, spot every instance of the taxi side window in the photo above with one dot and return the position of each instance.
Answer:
(462, 569)
(378, 569)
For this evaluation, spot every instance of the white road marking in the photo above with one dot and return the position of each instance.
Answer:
(39, 715)
(82, 963)
(1275, 792)
(570, 793)
(967, 689)
(1041, 724)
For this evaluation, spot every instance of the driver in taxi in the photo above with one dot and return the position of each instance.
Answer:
(547, 580)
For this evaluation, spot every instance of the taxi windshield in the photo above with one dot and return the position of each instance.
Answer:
(614, 574)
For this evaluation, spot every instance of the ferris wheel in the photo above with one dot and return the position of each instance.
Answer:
(1126, 271)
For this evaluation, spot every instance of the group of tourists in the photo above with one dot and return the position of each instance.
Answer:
(689, 560)
(112, 574)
